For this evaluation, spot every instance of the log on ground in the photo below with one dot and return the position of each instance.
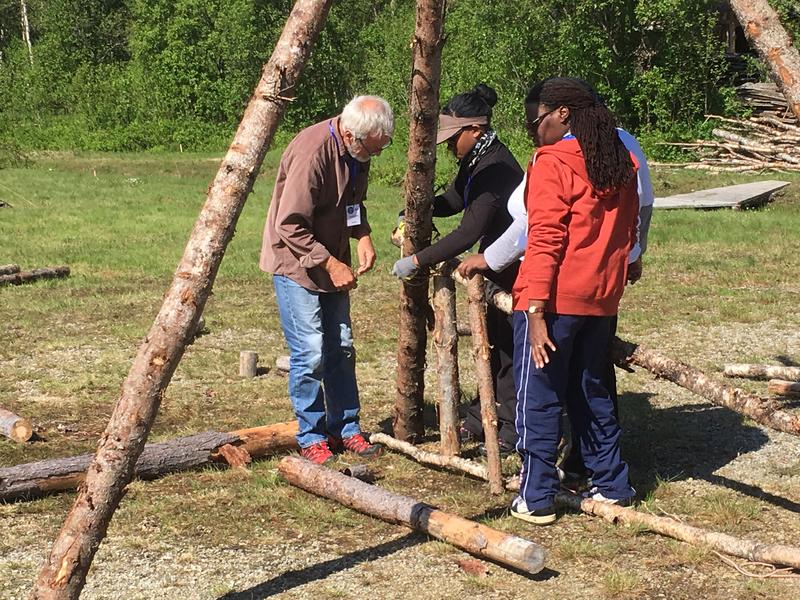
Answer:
(479, 540)
(21, 277)
(9, 269)
(749, 371)
(775, 554)
(15, 427)
(779, 387)
(766, 412)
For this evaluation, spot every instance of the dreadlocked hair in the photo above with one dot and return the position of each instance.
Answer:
(608, 162)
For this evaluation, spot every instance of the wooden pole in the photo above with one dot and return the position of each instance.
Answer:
(766, 412)
(36, 479)
(776, 554)
(248, 364)
(9, 269)
(483, 371)
(762, 372)
(445, 339)
(763, 29)
(412, 336)
(21, 277)
(15, 427)
(779, 387)
(477, 539)
(63, 573)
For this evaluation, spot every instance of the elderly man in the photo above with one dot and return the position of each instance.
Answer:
(317, 207)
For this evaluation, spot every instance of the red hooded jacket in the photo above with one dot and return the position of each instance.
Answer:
(578, 237)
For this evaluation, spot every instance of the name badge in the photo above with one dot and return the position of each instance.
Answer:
(353, 215)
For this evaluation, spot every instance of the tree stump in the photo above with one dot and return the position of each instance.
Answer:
(248, 364)
(15, 427)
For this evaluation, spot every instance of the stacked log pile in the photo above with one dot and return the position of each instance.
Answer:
(759, 143)
(766, 100)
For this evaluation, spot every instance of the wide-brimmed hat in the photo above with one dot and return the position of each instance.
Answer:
(449, 126)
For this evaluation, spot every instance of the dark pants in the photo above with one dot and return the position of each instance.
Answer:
(501, 339)
(574, 378)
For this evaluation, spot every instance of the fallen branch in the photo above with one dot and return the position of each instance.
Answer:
(15, 427)
(475, 538)
(762, 372)
(21, 277)
(776, 554)
(9, 269)
(779, 387)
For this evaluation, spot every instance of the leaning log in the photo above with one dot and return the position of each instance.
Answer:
(33, 480)
(15, 427)
(21, 277)
(763, 29)
(9, 269)
(423, 103)
(762, 372)
(483, 373)
(788, 389)
(445, 340)
(766, 412)
(775, 554)
(475, 538)
(63, 573)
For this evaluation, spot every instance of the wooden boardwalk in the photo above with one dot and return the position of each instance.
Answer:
(746, 195)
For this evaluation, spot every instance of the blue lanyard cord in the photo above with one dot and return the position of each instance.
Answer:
(466, 191)
(352, 163)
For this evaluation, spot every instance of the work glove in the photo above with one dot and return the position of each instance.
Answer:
(404, 268)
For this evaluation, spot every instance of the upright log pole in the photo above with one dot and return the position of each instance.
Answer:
(445, 339)
(477, 539)
(412, 337)
(763, 29)
(63, 574)
(483, 370)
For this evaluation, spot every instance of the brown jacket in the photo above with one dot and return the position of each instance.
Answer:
(306, 221)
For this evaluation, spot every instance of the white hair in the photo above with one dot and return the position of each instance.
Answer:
(365, 115)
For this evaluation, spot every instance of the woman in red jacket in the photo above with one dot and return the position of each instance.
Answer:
(582, 212)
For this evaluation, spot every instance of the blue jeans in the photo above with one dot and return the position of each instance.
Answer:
(317, 329)
(576, 378)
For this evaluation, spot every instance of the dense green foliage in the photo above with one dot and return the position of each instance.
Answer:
(136, 74)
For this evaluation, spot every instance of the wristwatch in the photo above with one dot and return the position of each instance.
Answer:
(533, 310)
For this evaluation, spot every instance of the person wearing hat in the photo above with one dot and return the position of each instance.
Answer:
(487, 175)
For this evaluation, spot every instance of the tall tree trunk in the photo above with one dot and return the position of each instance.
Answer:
(26, 28)
(764, 30)
(412, 336)
(63, 574)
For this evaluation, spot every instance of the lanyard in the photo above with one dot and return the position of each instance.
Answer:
(466, 191)
(352, 163)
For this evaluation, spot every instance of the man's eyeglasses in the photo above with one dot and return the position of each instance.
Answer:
(534, 125)
(374, 152)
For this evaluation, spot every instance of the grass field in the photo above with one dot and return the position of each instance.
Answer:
(719, 286)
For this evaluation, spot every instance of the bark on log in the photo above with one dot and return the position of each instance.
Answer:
(495, 295)
(779, 387)
(64, 572)
(766, 412)
(763, 372)
(445, 339)
(9, 269)
(372, 500)
(21, 277)
(776, 554)
(248, 364)
(763, 29)
(32, 480)
(463, 330)
(483, 372)
(412, 335)
(15, 427)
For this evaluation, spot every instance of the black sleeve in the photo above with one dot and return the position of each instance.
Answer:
(449, 203)
(484, 201)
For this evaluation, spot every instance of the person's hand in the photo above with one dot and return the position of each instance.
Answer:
(472, 264)
(635, 271)
(366, 255)
(341, 275)
(540, 341)
(405, 267)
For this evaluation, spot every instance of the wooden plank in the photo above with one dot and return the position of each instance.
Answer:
(745, 195)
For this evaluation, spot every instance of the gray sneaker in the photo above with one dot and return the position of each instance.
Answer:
(594, 494)
(537, 516)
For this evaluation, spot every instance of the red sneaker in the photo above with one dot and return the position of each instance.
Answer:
(358, 445)
(318, 453)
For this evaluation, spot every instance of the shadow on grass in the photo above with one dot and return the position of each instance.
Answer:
(297, 577)
(688, 441)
